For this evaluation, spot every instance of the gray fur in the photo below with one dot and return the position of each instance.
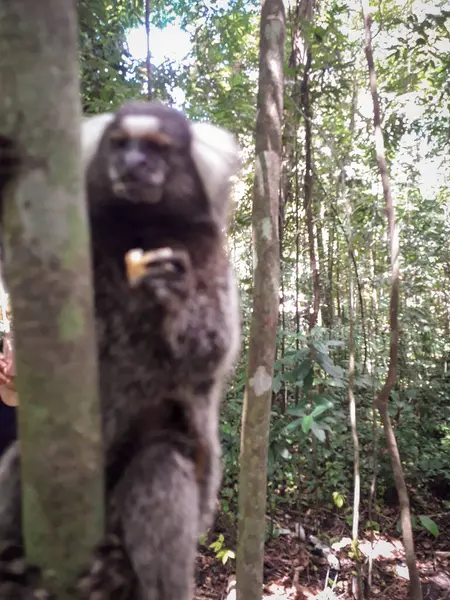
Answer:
(10, 504)
(166, 349)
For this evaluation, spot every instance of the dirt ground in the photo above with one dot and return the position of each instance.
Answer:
(296, 570)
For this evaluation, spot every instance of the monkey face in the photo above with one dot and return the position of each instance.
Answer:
(146, 160)
(139, 156)
(150, 154)
(138, 168)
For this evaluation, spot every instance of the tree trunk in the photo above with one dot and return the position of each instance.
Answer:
(308, 192)
(374, 459)
(324, 241)
(328, 314)
(48, 274)
(415, 589)
(292, 121)
(358, 583)
(263, 330)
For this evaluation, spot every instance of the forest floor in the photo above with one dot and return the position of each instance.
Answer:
(296, 570)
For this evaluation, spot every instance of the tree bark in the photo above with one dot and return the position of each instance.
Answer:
(263, 330)
(415, 588)
(359, 591)
(48, 274)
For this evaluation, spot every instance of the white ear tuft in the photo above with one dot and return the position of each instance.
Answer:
(92, 129)
(215, 153)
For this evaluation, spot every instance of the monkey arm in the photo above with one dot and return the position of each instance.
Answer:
(201, 315)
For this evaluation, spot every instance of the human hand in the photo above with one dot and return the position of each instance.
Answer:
(6, 370)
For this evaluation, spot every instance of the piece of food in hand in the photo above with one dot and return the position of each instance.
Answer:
(138, 263)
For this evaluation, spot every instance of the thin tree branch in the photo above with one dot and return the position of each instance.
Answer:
(148, 55)
(415, 589)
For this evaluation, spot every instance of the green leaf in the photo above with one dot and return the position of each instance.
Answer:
(226, 555)
(306, 423)
(318, 431)
(296, 411)
(319, 347)
(429, 525)
(338, 499)
(321, 408)
(373, 525)
(309, 380)
(302, 371)
(328, 366)
(292, 426)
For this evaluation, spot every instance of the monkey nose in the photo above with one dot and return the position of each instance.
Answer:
(134, 159)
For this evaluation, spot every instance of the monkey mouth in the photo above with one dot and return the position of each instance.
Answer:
(138, 192)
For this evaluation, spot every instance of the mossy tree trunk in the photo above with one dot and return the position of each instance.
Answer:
(263, 330)
(47, 267)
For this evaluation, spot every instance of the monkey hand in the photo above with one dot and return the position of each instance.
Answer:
(168, 277)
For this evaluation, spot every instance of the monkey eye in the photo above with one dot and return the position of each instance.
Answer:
(119, 142)
(152, 146)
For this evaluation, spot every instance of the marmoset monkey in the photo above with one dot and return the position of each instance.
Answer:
(167, 325)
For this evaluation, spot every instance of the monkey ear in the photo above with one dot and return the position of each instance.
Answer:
(92, 130)
(215, 153)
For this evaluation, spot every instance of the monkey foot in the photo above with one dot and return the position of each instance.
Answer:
(19, 580)
(110, 576)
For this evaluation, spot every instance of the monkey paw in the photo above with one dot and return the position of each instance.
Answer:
(110, 576)
(19, 580)
(168, 277)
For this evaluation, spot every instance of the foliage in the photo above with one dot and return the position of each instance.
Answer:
(310, 457)
(223, 554)
(109, 73)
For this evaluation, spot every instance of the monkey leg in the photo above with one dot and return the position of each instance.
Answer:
(203, 429)
(158, 503)
(209, 490)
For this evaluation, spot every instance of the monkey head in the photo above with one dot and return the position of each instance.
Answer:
(150, 154)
